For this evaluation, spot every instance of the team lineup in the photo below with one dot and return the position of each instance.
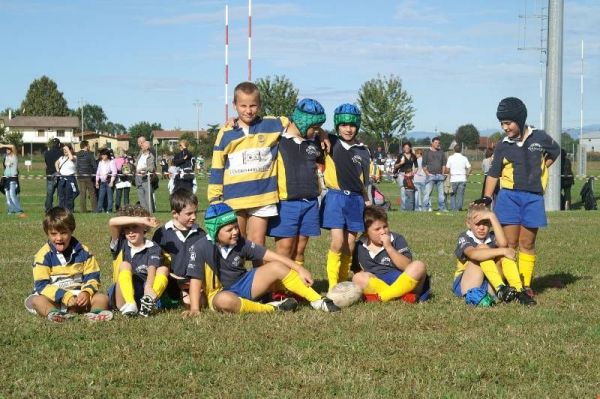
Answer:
(267, 178)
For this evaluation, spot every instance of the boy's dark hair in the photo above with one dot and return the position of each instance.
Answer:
(59, 219)
(457, 148)
(182, 198)
(374, 213)
(134, 210)
(83, 144)
(246, 88)
(489, 152)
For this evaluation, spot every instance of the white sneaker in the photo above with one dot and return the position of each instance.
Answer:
(59, 316)
(129, 309)
(102, 315)
(325, 304)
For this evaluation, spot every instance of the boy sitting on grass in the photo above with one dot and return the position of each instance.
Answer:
(482, 259)
(139, 276)
(177, 238)
(218, 261)
(389, 271)
(66, 275)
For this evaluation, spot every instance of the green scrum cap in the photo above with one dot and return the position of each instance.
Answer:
(307, 113)
(216, 216)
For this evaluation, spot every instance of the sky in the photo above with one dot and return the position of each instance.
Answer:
(152, 60)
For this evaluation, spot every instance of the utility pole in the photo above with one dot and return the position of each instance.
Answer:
(198, 106)
(81, 103)
(553, 116)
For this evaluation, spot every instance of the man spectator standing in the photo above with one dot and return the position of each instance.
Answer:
(380, 157)
(434, 162)
(50, 157)
(459, 168)
(86, 174)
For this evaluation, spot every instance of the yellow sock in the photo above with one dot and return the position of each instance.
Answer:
(345, 262)
(375, 286)
(526, 265)
(491, 273)
(333, 267)
(511, 272)
(160, 284)
(126, 285)
(249, 306)
(403, 285)
(294, 283)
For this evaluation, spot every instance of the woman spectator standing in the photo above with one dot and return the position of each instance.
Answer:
(420, 180)
(105, 180)
(67, 184)
(11, 181)
(184, 162)
(125, 170)
(404, 166)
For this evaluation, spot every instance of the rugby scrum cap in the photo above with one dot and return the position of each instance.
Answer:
(216, 216)
(346, 113)
(307, 113)
(512, 109)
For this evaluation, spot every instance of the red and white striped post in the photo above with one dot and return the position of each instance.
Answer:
(249, 40)
(226, 61)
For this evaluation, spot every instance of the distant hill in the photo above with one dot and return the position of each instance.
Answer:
(574, 132)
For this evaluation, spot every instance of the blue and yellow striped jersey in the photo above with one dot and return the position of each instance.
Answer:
(243, 171)
(56, 273)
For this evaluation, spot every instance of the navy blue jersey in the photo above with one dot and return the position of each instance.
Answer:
(380, 262)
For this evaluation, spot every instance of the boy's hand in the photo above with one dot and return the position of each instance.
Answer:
(386, 240)
(190, 313)
(306, 276)
(83, 299)
(151, 222)
(510, 253)
(72, 302)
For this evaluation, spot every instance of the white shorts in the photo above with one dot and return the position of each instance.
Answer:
(266, 211)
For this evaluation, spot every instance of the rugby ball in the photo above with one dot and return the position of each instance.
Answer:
(345, 294)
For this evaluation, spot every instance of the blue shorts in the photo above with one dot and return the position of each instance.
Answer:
(520, 208)
(343, 210)
(243, 287)
(393, 275)
(295, 218)
(456, 285)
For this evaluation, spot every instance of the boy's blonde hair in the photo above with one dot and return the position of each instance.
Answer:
(59, 219)
(475, 209)
(246, 88)
(134, 210)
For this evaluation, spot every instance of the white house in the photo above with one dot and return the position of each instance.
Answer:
(591, 141)
(38, 130)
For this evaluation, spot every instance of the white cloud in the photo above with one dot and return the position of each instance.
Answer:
(415, 11)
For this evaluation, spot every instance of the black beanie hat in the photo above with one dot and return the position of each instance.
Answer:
(512, 109)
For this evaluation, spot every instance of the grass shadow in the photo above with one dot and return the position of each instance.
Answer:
(556, 280)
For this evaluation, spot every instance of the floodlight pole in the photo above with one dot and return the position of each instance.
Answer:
(553, 117)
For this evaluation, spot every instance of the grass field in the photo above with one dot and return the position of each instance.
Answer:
(440, 348)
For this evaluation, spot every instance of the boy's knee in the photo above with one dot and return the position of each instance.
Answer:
(125, 266)
(40, 301)
(418, 268)
(100, 301)
(226, 302)
(164, 270)
(361, 279)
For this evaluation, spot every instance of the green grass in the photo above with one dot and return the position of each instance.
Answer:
(438, 349)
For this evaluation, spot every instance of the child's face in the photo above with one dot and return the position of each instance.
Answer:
(376, 231)
(313, 131)
(247, 106)
(60, 239)
(228, 234)
(186, 218)
(511, 128)
(479, 227)
(134, 233)
(346, 131)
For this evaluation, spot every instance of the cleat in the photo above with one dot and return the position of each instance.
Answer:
(129, 309)
(59, 316)
(524, 298)
(529, 291)
(146, 306)
(99, 315)
(411, 297)
(286, 305)
(325, 304)
(506, 293)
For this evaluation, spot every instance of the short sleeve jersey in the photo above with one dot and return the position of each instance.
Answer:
(140, 259)
(176, 246)
(380, 262)
(467, 239)
(347, 166)
(226, 263)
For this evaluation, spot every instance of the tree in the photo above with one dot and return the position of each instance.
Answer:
(141, 129)
(278, 95)
(445, 140)
(386, 108)
(14, 137)
(15, 112)
(495, 138)
(114, 128)
(94, 118)
(213, 129)
(467, 135)
(566, 142)
(44, 99)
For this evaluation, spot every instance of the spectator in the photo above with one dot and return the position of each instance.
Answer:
(420, 180)
(86, 172)
(380, 158)
(434, 161)
(459, 168)
(11, 181)
(50, 157)
(105, 180)
(144, 166)
(164, 166)
(183, 160)
(404, 169)
(67, 184)
(566, 181)
(125, 169)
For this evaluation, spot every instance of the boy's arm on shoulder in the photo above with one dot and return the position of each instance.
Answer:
(217, 168)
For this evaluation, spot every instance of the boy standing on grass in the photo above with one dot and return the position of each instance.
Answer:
(218, 262)
(177, 238)
(298, 182)
(346, 178)
(66, 275)
(482, 259)
(139, 276)
(243, 172)
(389, 271)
